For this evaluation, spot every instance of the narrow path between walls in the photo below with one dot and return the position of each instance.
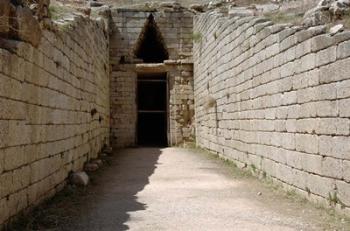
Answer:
(180, 189)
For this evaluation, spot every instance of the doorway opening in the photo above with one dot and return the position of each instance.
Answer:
(152, 109)
(150, 45)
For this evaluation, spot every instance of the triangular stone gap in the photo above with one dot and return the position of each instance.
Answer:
(150, 46)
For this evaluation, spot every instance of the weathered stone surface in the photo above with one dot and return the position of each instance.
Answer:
(151, 68)
(168, 4)
(28, 27)
(41, 9)
(317, 16)
(5, 211)
(45, 130)
(104, 11)
(266, 8)
(346, 170)
(241, 12)
(215, 3)
(197, 7)
(339, 8)
(321, 41)
(292, 115)
(261, 94)
(326, 11)
(343, 50)
(342, 36)
(344, 192)
(176, 27)
(95, 4)
(310, 32)
(79, 178)
(336, 29)
(5, 10)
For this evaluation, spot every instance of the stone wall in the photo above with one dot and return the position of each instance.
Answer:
(54, 113)
(175, 26)
(276, 99)
(181, 102)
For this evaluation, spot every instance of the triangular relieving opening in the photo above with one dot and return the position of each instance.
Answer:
(150, 46)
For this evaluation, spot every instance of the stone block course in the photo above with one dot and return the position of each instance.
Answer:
(346, 170)
(343, 50)
(326, 56)
(285, 103)
(343, 192)
(46, 96)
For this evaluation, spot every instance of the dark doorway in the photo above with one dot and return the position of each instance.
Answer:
(152, 109)
(150, 45)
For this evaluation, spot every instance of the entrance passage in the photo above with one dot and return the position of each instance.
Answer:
(152, 109)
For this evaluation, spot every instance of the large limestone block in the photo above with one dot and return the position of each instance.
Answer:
(5, 184)
(334, 146)
(17, 202)
(346, 170)
(28, 27)
(4, 210)
(332, 167)
(344, 192)
(343, 50)
(320, 185)
(306, 143)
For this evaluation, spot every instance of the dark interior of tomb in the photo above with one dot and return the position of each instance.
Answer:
(152, 110)
(151, 48)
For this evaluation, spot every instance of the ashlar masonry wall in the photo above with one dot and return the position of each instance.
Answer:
(276, 98)
(175, 25)
(54, 114)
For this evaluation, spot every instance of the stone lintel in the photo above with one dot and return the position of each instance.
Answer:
(179, 61)
(151, 68)
(161, 67)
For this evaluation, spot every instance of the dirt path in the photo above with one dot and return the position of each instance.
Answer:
(177, 189)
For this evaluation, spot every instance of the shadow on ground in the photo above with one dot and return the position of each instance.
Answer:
(105, 204)
(114, 191)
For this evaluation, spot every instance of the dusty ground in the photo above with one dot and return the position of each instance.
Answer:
(179, 189)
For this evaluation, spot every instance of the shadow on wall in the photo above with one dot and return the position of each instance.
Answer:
(112, 197)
